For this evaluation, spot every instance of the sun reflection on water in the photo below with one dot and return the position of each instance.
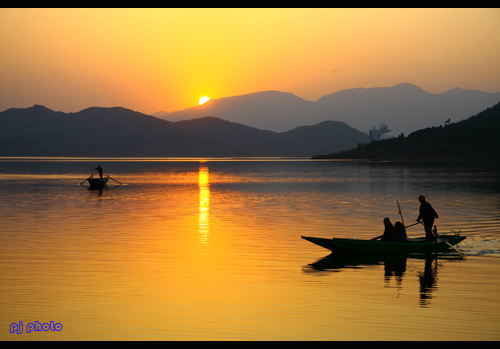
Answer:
(204, 215)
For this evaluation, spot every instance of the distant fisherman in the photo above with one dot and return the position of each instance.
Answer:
(427, 215)
(99, 169)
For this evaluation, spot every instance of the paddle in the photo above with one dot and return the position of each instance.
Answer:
(440, 238)
(91, 175)
(115, 180)
(85, 180)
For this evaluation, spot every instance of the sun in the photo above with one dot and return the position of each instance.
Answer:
(203, 100)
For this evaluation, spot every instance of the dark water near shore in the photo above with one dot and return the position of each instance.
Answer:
(191, 249)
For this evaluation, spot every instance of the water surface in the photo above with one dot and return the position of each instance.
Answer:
(210, 249)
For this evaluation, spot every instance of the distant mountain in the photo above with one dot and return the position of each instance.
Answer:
(473, 138)
(327, 134)
(240, 139)
(249, 141)
(160, 114)
(404, 108)
(39, 131)
(268, 110)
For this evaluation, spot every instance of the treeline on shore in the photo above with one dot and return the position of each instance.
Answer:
(477, 137)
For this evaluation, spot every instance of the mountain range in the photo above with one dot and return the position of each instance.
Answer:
(404, 108)
(120, 132)
(268, 123)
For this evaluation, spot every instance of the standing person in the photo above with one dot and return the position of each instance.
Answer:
(99, 169)
(427, 215)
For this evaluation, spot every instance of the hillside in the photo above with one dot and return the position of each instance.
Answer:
(405, 108)
(39, 131)
(119, 132)
(473, 138)
(243, 140)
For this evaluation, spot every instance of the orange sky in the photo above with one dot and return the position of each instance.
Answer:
(166, 59)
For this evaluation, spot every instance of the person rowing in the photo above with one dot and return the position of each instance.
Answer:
(427, 215)
(99, 169)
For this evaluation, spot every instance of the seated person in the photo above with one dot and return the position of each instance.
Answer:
(388, 231)
(399, 232)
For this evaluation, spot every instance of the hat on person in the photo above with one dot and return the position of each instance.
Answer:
(421, 197)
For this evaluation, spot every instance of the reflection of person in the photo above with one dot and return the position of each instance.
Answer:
(99, 169)
(427, 215)
(388, 231)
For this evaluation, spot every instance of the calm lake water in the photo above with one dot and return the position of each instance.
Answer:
(191, 249)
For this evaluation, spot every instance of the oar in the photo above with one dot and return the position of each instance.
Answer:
(441, 239)
(115, 180)
(91, 175)
(85, 180)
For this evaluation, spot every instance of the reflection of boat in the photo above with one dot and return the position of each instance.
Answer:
(394, 268)
(337, 262)
(411, 245)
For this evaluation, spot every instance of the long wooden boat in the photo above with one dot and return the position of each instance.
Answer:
(97, 182)
(411, 245)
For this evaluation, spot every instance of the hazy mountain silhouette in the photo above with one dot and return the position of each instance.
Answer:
(268, 110)
(404, 108)
(39, 131)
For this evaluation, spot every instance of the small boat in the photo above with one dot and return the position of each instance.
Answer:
(97, 182)
(411, 245)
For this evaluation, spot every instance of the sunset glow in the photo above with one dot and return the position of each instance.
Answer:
(229, 174)
(153, 59)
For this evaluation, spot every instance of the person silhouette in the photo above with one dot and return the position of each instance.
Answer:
(99, 169)
(427, 215)
(388, 231)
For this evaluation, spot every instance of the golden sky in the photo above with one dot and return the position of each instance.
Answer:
(166, 59)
